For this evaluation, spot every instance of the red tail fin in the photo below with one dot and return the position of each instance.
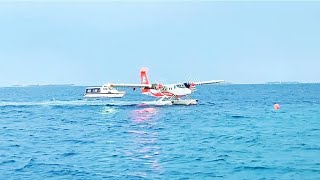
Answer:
(143, 76)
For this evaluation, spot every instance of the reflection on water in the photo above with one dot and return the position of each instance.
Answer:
(142, 115)
(144, 151)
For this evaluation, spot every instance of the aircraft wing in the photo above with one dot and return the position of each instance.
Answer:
(128, 85)
(199, 83)
(209, 82)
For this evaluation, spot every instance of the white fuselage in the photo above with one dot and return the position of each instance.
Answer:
(167, 91)
(177, 91)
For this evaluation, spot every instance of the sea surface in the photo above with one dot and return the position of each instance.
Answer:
(52, 132)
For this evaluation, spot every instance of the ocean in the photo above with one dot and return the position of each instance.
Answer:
(51, 132)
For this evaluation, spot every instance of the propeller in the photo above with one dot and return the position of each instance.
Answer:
(190, 84)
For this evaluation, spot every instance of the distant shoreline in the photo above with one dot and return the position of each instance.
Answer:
(35, 85)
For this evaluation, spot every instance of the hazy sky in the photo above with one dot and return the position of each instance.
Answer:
(90, 43)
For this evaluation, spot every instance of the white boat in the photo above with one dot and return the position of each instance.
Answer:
(103, 92)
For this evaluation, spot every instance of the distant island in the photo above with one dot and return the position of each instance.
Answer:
(284, 82)
(33, 85)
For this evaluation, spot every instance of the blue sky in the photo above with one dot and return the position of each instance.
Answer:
(90, 43)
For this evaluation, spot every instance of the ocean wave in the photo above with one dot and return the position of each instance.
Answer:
(68, 103)
(7, 162)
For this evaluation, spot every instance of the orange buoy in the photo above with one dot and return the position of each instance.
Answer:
(276, 106)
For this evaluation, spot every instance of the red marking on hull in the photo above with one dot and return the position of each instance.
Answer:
(157, 93)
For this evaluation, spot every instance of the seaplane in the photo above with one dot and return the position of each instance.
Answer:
(165, 94)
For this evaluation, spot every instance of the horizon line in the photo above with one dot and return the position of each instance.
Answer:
(225, 83)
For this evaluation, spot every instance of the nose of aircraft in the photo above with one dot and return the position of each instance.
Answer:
(181, 91)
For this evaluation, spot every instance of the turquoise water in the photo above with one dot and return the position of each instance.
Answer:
(234, 133)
